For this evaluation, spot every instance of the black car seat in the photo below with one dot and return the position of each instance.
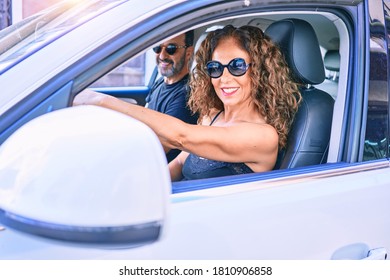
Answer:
(332, 65)
(308, 139)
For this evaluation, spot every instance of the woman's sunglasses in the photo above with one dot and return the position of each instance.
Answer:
(237, 67)
(170, 48)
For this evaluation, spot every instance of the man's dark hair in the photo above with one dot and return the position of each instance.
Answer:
(189, 38)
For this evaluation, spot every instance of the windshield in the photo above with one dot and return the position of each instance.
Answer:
(20, 40)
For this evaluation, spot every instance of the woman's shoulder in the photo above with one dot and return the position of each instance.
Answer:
(256, 133)
(207, 119)
(263, 128)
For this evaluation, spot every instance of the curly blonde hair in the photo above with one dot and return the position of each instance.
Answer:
(274, 93)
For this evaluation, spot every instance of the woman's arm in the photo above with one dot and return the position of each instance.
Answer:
(252, 143)
(176, 166)
(166, 127)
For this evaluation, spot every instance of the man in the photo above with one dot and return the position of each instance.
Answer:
(169, 94)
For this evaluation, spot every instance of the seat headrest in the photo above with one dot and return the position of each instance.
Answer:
(332, 61)
(299, 44)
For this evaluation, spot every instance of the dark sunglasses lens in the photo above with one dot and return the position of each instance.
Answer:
(171, 49)
(237, 67)
(214, 69)
(157, 49)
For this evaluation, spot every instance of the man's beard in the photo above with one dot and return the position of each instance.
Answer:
(174, 69)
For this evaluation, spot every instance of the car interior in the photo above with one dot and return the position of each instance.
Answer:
(312, 46)
(329, 34)
(308, 140)
(316, 47)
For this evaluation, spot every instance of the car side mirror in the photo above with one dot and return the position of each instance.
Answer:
(85, 174)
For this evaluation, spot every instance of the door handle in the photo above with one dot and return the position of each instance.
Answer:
(376, 254)
(359, 251)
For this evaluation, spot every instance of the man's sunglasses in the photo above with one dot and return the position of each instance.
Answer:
(237, 67)
(170, 48)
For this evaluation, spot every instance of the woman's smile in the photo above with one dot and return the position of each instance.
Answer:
(228, 91)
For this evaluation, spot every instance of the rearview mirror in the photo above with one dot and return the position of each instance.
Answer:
(85, 174)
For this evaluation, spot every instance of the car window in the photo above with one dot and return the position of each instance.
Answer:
(136, 71)
(130, 73)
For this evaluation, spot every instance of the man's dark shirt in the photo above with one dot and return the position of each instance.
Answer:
(171, 100)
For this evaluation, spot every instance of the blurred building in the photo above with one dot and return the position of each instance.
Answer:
(12, 11)
(5, 13)
(29, 7)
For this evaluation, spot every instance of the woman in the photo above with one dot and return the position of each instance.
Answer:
(246, 101)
